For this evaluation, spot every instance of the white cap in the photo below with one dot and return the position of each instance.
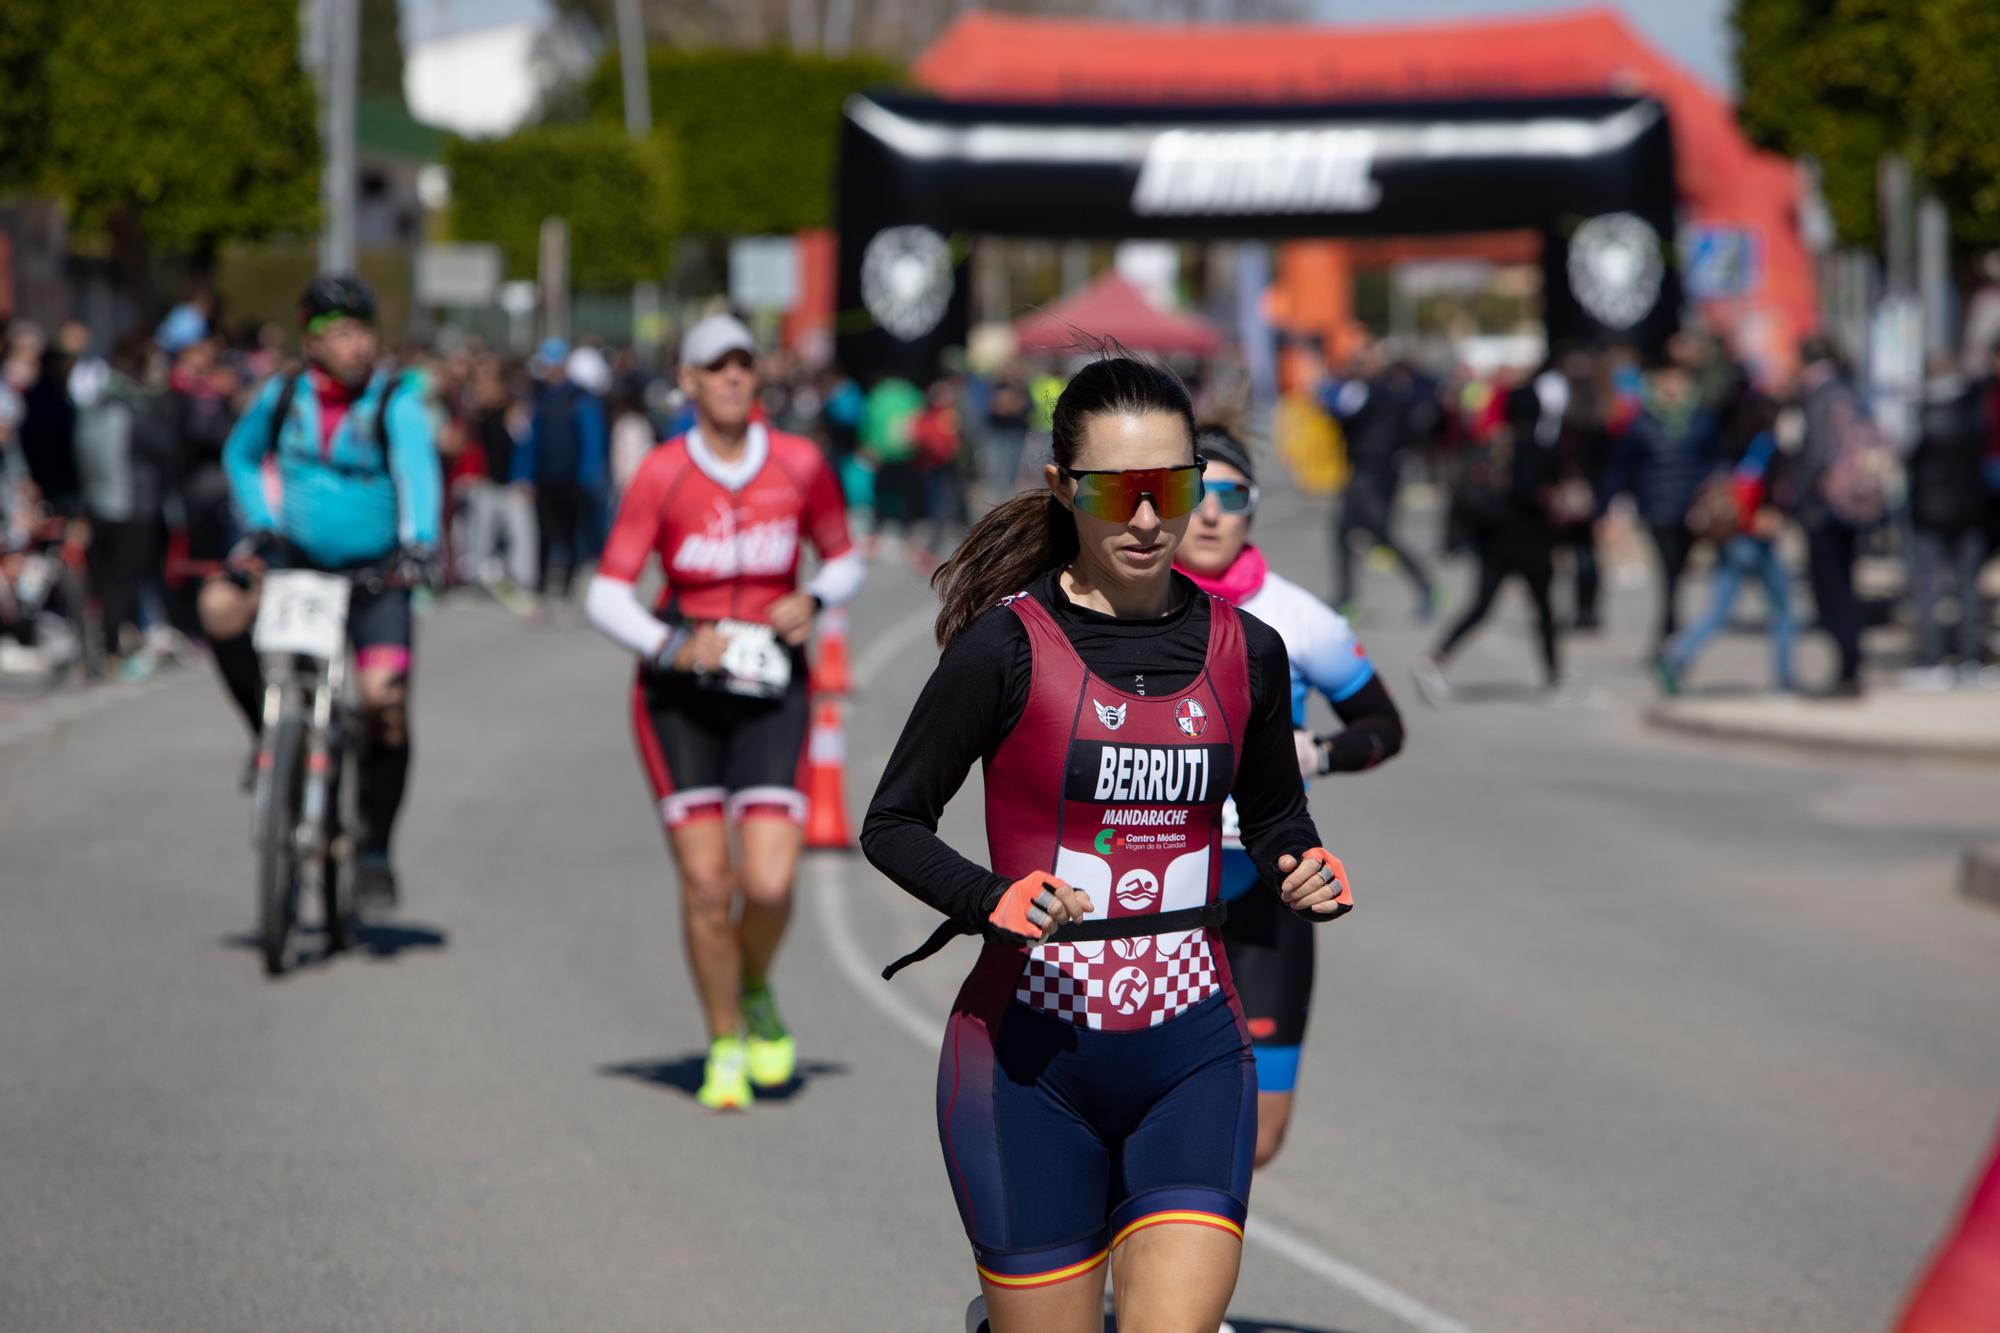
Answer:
(713, 338)
(589, 371)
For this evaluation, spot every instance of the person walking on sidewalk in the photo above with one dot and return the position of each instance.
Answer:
(1749, 524)
(1663, 457)
(1830, 450)
(1501, 478)
(1384, 411)
(1947, 529)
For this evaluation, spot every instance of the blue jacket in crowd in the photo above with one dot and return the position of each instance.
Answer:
(568, 439)
(1663, 462)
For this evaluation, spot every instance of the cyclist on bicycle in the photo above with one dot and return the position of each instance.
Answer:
(357, 471)
(719, 705)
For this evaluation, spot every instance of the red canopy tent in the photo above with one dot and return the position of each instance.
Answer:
(1111, 307)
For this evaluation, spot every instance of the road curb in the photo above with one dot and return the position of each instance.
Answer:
(1979, 872)
(1964, 749)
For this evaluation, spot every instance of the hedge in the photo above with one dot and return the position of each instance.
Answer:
(619, 197)
(756, 132)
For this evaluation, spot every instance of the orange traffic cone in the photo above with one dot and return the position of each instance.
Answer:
(826, 780)
(830, 674)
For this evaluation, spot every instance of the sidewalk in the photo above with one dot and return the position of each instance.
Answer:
(1960, 724)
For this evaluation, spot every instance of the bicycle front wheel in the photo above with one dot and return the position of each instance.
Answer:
(277, 848)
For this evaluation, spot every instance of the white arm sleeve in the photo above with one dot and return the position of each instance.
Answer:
(615, 609)
(838, 580)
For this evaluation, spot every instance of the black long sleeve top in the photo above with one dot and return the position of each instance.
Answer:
(980, 689)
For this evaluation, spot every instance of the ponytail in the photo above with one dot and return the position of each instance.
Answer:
(1016, 543)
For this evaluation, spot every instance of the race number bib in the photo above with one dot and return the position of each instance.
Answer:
(302, 612)
(754, 663)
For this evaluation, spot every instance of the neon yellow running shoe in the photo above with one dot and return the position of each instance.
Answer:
(773, 1055)
(724, 1084)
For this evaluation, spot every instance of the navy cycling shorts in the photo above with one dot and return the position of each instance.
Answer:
(1062, 1141)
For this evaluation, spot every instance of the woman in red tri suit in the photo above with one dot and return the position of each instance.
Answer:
(1096, 1095)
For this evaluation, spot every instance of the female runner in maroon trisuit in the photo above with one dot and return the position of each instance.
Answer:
(1095, 1092)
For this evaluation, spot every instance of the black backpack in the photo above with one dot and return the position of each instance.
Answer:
(377, 428)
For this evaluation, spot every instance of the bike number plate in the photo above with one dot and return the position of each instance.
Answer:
(302, 612)
(754, 663)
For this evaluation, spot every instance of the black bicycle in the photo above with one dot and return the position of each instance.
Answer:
(303, 815)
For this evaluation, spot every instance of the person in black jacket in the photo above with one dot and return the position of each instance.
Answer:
(1385, 411)
(1502, 489)
(1948, 528)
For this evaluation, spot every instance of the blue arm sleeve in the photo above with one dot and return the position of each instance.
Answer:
(243, 458)
(593, 469)
(413, 462)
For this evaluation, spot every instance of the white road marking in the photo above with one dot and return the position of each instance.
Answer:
(836, 928)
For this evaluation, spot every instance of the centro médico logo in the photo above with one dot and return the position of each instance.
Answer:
(1108, 841)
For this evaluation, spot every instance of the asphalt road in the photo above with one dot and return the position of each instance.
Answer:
(1629, 1032)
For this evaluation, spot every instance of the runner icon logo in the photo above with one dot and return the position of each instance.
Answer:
(1138, 890)
(1191, 717)
(1129, 989)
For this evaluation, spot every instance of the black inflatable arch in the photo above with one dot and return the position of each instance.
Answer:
(919, 179)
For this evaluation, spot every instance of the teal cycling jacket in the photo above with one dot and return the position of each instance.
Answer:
(348, 504)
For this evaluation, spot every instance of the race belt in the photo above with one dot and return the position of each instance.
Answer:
(1208, 916)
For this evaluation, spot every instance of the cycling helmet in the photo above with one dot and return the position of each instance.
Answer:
(339, 295)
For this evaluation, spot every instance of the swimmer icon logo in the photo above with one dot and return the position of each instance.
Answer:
(1138, 890)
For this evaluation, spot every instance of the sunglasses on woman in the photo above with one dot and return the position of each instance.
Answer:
(1114, 496)
(1233, 497)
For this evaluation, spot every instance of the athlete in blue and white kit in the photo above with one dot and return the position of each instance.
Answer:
(1270, 952)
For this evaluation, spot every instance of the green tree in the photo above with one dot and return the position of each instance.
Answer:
(618, 197)
(755, 132)
(382, 49)
(29, 29)
(180, 126)
(1846, 81)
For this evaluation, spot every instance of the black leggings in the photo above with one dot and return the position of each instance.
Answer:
(1671, 544)
(1581, 543)
(1830, 554)
(559, 514)
(119, 551)
(1529, 556)
(1366, 508)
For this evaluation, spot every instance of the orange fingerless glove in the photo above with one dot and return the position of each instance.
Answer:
(1011, 912)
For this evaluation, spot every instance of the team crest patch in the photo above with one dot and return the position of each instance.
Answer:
(1190, 717)
(1112, 718)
